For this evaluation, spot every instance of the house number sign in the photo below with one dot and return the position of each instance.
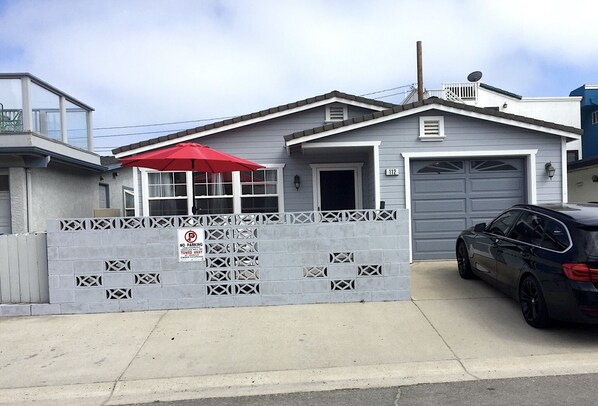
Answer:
(392, 172)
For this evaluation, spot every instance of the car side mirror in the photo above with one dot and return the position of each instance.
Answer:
(478, 228)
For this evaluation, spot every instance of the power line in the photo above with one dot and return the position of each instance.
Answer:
(158, 124)
(387, 90)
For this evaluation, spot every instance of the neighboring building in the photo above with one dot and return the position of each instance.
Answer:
(47, 165)
(589, 118)
(450, 163)
(560, 110)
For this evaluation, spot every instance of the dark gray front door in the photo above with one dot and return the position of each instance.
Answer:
(449, 195)
(5, 225)
(337, 190)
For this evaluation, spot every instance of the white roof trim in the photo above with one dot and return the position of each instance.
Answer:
(250, 122)
(439, 107)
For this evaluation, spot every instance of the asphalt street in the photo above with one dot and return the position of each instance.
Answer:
(552, 390)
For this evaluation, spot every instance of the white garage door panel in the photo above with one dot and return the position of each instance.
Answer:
(449, 196)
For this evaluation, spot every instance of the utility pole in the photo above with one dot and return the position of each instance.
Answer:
(420, 73)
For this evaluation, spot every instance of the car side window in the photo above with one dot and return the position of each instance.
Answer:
(501, 225)
(555, 236)
(529, 228)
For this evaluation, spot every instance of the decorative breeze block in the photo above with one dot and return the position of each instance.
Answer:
(245, 233)
(369, 270)
(218, 262)
(117, 265)
(247, 289)
(218, 275)
(315, 272)
(342, 284)
(118, 294)
(88, 281)
(341, 257)
(219, 290)
(217, 234)
(218, 248)
(147, 279)
(247, 274)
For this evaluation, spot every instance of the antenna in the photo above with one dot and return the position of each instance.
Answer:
(474, 76)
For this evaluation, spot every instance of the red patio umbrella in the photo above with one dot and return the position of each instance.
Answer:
(190, 156)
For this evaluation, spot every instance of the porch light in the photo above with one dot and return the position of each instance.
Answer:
(297, 182)
(550, 169)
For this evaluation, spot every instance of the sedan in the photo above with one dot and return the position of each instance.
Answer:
(545, 257)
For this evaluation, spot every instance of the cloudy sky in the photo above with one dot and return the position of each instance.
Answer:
(155, 61)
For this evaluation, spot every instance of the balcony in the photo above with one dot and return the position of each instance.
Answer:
(29, 105)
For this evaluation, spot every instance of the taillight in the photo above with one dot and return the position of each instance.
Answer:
(580, 272)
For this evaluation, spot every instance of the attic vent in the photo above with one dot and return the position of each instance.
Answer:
(431, 128)
(336, 113)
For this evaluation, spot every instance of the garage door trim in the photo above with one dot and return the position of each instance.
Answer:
(528, 154)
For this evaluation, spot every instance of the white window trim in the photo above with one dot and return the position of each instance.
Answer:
(422, 135)
(236, 179)
(354, 144)
(341, 166)
(530, 154)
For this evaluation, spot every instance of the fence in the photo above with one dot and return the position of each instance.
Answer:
(23, 268)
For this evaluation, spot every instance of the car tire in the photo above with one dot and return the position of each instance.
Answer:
(533, 305)
(463, 263)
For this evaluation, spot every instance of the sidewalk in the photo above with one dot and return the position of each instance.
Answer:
(453, 330)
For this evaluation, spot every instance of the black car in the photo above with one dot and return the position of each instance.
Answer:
(546, 257)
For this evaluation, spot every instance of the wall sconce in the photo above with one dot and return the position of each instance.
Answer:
(297, 182)
(549, 169)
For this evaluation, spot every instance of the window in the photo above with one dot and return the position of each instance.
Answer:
(501, 225)
(529, 229)
(556, 237)
(595, 117)
(572, 156)
(443, 167)
(167, 193)
(492, 166)
(213, 193)
(128, 202)
(336, 112)
(431, 128)
(259, 191)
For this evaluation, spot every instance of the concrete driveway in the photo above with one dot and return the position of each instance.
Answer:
(452, 330)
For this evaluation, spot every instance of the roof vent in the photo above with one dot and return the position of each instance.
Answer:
(431, 128)
(336, 113)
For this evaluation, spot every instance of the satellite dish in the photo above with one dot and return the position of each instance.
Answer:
(474, 76)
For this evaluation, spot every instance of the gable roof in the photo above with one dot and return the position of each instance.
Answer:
(333, 96)
(429, 104)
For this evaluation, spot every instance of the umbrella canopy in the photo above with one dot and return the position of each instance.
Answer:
(190, 156)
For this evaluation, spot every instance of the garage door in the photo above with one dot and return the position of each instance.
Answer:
(451, 195)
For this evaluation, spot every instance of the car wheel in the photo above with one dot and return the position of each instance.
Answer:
(533, 305)
(463, 262)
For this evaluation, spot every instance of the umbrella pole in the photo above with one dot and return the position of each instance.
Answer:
(193, 208)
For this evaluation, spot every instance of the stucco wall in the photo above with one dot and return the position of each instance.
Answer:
(582, 189)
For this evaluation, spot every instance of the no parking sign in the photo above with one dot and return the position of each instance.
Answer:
(191, 245)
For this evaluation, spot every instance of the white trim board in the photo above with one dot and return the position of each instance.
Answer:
(439, 107)
(252, 121)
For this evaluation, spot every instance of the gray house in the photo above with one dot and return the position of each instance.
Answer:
(452, 165)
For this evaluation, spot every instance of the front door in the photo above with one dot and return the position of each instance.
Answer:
(337, 189)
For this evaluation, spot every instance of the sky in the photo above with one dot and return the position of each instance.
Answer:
(190, 62)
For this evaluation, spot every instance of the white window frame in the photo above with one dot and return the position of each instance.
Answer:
(236, 183)
(356, 167)
(129, 191)
(422, 128)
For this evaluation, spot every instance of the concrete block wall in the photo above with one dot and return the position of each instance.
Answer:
(131, 264)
